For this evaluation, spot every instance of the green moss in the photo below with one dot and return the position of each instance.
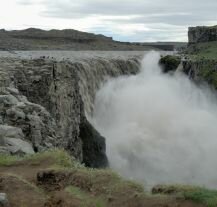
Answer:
(206, 50)
(193, 193)
(7, 160)
(170, 63)
(85, 199)
(58, 158)
(208, 73)
(203, 196)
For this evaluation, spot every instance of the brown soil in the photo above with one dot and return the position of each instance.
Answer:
(31, 185)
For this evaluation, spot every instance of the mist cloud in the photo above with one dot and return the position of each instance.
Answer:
(159, 128)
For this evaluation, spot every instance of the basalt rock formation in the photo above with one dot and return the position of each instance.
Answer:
(202, 34)
(45, 103)
(200, 63)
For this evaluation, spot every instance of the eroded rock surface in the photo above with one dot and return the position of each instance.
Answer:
(202, 34)
(46, 104)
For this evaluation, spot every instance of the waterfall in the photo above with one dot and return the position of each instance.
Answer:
(159, 128)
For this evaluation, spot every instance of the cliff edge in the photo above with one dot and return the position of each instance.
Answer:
(45, 104)
(202, 34)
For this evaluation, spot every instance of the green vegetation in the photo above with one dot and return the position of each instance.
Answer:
(208, 73)
(59, 158)
(203, 58)
(7, 160)
(170, 63)
(104, 185)
(196, 194)
(89, 186)
(203, 196)
(24, 181)
(96, 187)
(86, 199)
(206, 50)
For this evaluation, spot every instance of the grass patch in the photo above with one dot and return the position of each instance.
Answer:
(203, 196)
(208, 72)
(85, 199)
(30, 185)
(7, 160)
(60, 159)
(206, 50)
(106, 185)
(198, 195)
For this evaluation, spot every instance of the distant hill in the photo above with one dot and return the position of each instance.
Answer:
(167, 45)
(68, 39)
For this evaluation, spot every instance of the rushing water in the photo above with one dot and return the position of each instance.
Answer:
(159, 128)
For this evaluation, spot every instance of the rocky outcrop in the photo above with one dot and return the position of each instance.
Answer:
(48, 103)
(24, 122)
(169, 63)
(202, 34)
(202, 70)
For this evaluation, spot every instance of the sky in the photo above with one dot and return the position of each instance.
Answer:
(124, 20)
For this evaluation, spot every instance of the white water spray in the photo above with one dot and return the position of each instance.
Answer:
(159, 128)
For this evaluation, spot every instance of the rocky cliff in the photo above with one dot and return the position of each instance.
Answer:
(200, 63)
(202, 71)
(45, 104)
(202, 34)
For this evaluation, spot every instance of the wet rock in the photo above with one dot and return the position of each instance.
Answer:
(3, 200)
(94, 147)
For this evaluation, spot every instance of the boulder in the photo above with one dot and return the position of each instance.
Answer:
(18, 146)
(10, 132)
(11, 141)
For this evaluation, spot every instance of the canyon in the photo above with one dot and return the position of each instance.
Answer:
(58, 105)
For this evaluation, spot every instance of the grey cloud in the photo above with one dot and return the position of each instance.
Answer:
(67, 8)
(177, 13)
